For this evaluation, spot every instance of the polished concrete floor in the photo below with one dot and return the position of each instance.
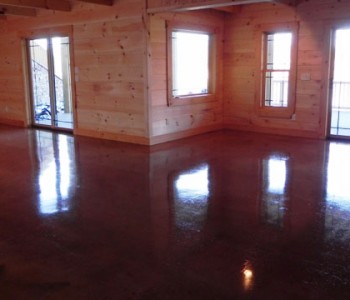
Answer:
(224, 215)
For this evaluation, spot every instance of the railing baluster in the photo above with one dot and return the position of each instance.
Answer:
(341, 95)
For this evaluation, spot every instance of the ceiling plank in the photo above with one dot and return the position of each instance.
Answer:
(61, 5)
(17, 11)
(102, 2)
(155, 6)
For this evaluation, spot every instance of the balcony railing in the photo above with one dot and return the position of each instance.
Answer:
(276, 93)
(341, 95)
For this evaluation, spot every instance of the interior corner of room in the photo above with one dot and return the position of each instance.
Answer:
(126, 71)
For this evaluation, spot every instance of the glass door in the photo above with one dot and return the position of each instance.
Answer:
(340, 85)
(49, 60)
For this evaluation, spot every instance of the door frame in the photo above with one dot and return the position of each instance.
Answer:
(334, 27)
(64, 31)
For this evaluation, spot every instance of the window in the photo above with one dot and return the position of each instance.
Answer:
(190, 63)
(277, 72)
(277, 68)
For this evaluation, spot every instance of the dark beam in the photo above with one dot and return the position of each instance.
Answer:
(17, 11)
(61, 5)
(102, 2)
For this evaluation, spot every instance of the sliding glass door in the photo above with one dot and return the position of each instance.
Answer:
(49, 63)
(340, 85)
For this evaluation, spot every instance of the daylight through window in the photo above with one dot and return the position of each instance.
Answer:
(277, 68)
(190, 63)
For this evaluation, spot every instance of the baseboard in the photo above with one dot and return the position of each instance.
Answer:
(10, 122)
(112, 136)
(276, 131)
(184, 134)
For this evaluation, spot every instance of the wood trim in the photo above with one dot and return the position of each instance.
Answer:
(326, 109)
(275, 131)
(63, 31)
(276, 112)
(112, 136)
(184, 134)
(10, 122)
(47, 32)
(213, 74)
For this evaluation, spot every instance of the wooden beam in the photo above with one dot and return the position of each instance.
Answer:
(17, 11)
(102, 2)
(230, 9)
(61, 5)
(287, 2)
(155, 6)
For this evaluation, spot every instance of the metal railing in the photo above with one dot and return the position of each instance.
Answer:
(276, 93)
(341, 95)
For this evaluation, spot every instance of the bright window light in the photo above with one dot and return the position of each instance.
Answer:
(338, 192)
(193, 186)
(191, 197)
(277, 176)
(190, 63)
(277, 67)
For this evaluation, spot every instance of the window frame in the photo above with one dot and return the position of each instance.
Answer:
(211, 31)
(288, 111)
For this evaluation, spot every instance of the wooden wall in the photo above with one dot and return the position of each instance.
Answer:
(316, 18)
(12, 89)
(119, 56)
(172, 122)
(109, 59)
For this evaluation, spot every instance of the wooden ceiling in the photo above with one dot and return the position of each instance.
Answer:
(230, 6)
(29, 8)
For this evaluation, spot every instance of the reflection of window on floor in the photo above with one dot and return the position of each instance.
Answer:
(274, 195)
(337, 217)
(191, 194)
(56, 178)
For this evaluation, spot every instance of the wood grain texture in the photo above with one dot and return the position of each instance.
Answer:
(316, 20)
(119, 58)
(109, 63)
(184, 5)
(189, 118)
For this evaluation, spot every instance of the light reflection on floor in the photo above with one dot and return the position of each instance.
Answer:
(56, 165)
(191, 198)
(264, 217)
(274, 195)
(337, 214)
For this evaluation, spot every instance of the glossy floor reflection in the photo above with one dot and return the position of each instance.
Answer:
(224, 215)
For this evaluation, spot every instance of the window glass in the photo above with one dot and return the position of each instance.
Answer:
(190, 63)
(277, 67)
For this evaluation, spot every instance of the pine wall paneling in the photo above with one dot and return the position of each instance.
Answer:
(170, 122)
(315, 19)
(119, 55)
(109, 55)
